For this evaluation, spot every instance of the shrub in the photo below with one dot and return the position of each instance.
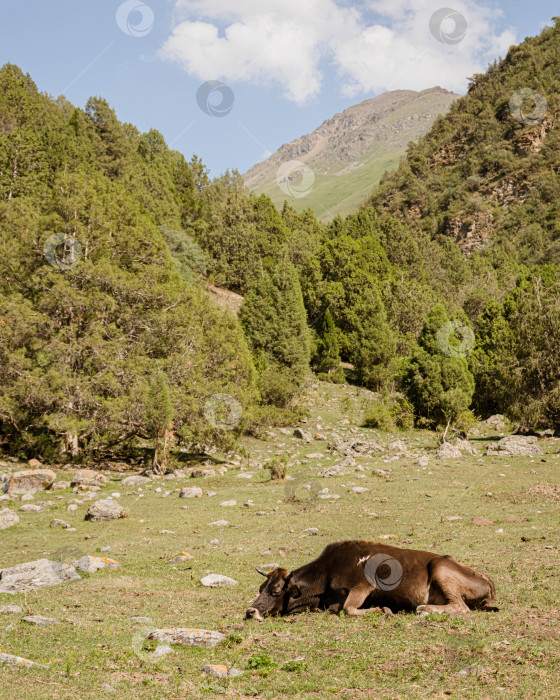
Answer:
(379, 416)
(278, 469)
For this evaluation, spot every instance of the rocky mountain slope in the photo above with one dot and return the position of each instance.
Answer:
(349, 153)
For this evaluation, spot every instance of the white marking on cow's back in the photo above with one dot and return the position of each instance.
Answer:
(361, 560)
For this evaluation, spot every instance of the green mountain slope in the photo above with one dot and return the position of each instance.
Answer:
(349, 153)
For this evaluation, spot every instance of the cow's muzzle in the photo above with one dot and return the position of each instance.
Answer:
(253, 614)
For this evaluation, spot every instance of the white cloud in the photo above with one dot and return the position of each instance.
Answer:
(374, 45)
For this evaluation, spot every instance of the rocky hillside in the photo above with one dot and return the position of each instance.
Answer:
(350, 152)
(486, 175)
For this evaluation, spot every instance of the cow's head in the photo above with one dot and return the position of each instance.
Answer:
(278, 595)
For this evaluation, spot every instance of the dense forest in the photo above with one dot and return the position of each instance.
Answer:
(442, 293)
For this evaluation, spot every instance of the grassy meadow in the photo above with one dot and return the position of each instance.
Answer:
(514, 653)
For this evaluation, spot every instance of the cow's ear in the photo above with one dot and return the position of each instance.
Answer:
(295, 592)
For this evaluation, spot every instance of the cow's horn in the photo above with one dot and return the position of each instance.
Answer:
(262, 573)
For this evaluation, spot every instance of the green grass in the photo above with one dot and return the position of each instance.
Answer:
(311, 655)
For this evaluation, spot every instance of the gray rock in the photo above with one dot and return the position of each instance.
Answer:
(187, 636)
(218, 581)
(8, 518)
(448, 451)
(229, 503)
(422, 461)
(215, 670)
(105, 510)
(27, 497)
(72, 507)
(191, 492)
(36, 574)
(60, 485)
(12, 660)
(55, 522)
(108, 688)
(397, 446)
(312, 530)
(161, 651)
(6, 609)
(234, 672)
(303, 434)
(203, 473)
(464, 446)
(497, 422)
(30, 481)
(89, 477)
(135, 480)
(89, 564)
(32, 508)
(39, 620)
(335, 470)
(220, 523)
(359, 489)
(516, 446)
(142, 620)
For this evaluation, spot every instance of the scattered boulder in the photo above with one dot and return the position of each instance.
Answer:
(187, 636)
(303, 434)
(39, 620)
(8, 518)
(88, 477)
(190, 492)
(60, 485)
(72, 507)
(220, 671)
(55, 522)
(355, 446)
(207, 473)
(464, 446)
(32, 508)
(515, 446)
(385, 473)
(89, 564)
(229, 503)
(142, 620)
(497, 422)
(183, 556)
(135, 480)
(220, 523)
(161, 651)
(30, 481)
(422, 461)
(335, 470)
(12, 660)
(36, 574)
(359, 489)
(105, 510)
(5, 609)
(218, 581)
(448, 451)
(397, 446)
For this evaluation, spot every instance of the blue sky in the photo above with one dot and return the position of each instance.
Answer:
(289, 64)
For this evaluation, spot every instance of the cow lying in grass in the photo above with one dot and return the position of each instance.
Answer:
(361, 577)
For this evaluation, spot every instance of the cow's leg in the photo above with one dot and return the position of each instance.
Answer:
(356, 598)
(451, 582)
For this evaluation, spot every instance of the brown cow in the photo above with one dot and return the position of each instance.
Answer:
(360, 577)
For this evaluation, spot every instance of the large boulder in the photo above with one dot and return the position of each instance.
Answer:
(187, 636)
(135, 480)
(355, 446)
(218, 581)
(497, 422)
(36, 574)
(303, 435)
(30, 481)
(190, 492)
(107, 509)
(88, 477)
(448, 451)
(8, 518)
(89, 564)
(515, 446)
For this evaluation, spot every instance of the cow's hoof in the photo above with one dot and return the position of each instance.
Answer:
(388, 611)
(421, 611)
